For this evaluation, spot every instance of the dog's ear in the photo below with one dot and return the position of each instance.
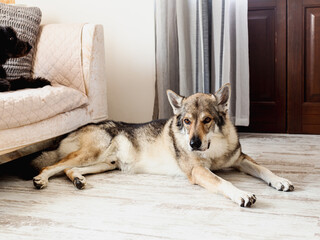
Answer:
(223, 97)
(175, 101)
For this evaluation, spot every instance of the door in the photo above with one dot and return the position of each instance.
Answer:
(267, 59)
(303, 66)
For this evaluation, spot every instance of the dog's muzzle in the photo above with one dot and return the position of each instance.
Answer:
(22, 49)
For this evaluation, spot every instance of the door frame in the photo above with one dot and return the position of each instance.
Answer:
(295, 61)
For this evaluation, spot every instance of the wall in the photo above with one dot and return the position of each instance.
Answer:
(129, 45)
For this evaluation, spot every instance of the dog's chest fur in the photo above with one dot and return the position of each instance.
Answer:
(224, 150)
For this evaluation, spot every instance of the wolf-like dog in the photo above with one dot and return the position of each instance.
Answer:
(197, 140)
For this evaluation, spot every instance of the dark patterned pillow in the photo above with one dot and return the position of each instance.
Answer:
(25, 21)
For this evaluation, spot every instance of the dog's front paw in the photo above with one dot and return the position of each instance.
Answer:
(79, 182)
(282, 184)
(245, 199)
(40, 182)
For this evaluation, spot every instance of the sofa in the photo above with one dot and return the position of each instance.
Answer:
(71, 56)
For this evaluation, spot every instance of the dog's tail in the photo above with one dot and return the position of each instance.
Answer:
(29, 166)
(45, 159)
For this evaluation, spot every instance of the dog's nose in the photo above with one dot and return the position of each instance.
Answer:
(195, 143)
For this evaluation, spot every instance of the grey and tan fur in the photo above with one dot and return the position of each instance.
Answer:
(197, 140)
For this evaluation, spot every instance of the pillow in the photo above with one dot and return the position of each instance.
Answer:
(25, 21)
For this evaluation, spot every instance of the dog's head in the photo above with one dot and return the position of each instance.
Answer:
(200, 115)
(11, 46)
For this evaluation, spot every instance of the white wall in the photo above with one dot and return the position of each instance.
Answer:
(129, 45)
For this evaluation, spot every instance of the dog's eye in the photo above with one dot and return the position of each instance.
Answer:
(187, 121)
(207, 120)
(11, 39)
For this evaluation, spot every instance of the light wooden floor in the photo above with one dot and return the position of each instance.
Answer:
(119, 206)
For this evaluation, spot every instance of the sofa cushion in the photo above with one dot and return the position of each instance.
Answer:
(25, 21)
(19, 108)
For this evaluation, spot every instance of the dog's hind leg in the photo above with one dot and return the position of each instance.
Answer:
(76, 174)
(75, 159)
(247, 165)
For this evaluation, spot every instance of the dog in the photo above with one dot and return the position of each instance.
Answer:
(197, 140)
(12, 47)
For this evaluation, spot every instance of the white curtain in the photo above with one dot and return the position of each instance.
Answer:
(201, 45)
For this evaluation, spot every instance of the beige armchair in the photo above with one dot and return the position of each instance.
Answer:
(71, 56)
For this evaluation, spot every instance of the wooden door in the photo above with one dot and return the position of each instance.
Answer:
(303, 66)
(267, 60)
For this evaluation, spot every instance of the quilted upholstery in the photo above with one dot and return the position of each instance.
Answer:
(58, 55)
(27, 106)
(83, 74)
(43, 130)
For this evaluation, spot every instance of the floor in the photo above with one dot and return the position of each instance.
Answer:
(119, 206)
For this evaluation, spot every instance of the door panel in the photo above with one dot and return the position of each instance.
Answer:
(312, 56)
(262, 65)
(303, 66)
(267, 59)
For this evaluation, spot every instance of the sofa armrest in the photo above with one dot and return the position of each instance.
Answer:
(73, 55)
(93, 59)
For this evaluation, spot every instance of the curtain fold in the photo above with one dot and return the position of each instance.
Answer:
(201, 45)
